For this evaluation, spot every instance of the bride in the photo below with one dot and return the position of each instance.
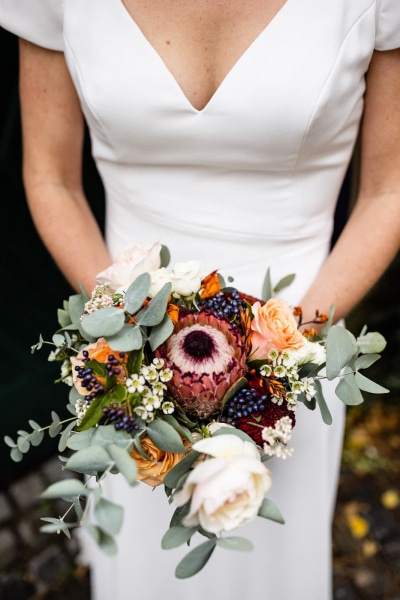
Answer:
(222, 129)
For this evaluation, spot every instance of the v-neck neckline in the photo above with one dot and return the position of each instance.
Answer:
(226, 77)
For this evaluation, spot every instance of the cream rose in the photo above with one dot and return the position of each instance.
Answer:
(227, 490)
(310, 352)
(186, 277)
(274, 326)
(158, 279)
(131, 263)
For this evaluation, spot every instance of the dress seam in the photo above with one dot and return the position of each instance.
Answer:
(312, 115)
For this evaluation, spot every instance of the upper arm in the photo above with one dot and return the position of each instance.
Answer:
(52, 121)
(380, 134)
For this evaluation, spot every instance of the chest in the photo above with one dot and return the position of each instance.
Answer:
(201, 41)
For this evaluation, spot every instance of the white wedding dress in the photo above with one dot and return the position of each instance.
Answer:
(249, 182)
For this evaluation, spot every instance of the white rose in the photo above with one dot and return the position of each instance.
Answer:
(310, 352)
(225, 491)
(186, 277)
(158, 279)
(131, 263)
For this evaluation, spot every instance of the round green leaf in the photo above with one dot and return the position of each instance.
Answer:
(197, 558)
(270, 511)
(235, 543)
(341, 347)
(65, 487)
(176, 536)
(165, 437)
(104, 322)
(89, 460)
(137, 293)
(109, 516)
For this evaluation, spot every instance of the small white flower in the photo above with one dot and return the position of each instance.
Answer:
(273, 354)
(150, 373)
(141, 412)
(159, 388)
(167, 407)
(279, 371)
(152, 403)
(135, 383)
(166, 375)
(158, 363)
(308, 388)
(277, 399)
(266, 370)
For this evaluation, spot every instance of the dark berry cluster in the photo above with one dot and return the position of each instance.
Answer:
(246, 402)
(113, 364)
(118, 416)
(226, 305)
(88, 379)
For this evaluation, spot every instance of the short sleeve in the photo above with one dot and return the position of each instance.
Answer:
(38, 21)
(388, 25)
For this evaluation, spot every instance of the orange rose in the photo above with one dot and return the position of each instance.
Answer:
(274, 326)
(99, 351)
(153, 471)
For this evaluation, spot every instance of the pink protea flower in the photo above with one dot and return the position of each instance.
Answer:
(207, 356)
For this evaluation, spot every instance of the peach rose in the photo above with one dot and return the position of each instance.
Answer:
(274, 326)
(98, 351)
(153, 471)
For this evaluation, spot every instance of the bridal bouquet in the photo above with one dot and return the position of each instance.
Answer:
(179, 380)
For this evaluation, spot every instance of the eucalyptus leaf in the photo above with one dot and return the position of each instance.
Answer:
(165, 256)
(63, 441)
(180, 469)
(323, 407)
(235, 543)
(137, 293)
(56, 528)
(181, 429)
(372, 342)
(176, 536)
(78, 508)
(127, 339)
(103, 540)
(89, 460)
(125, 463)
(347, 390)
(233, 431)
(76, 307)
(104, 322)
(9, 441)
(366, 360)
(109, 516)
(284, 283)
(54, 429)
(197, 558)
(81, 439)
(33, 424)
(16, 455)
(165, 437)
(23, 445)
(270, 511)
(179, 514)
(36, 437)
(161, 332)
(63, 318)
(55, 417)
(341, 347)
(154, 312)
(367, 385)
(267, 291)
(104, 435)
(65, 487)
